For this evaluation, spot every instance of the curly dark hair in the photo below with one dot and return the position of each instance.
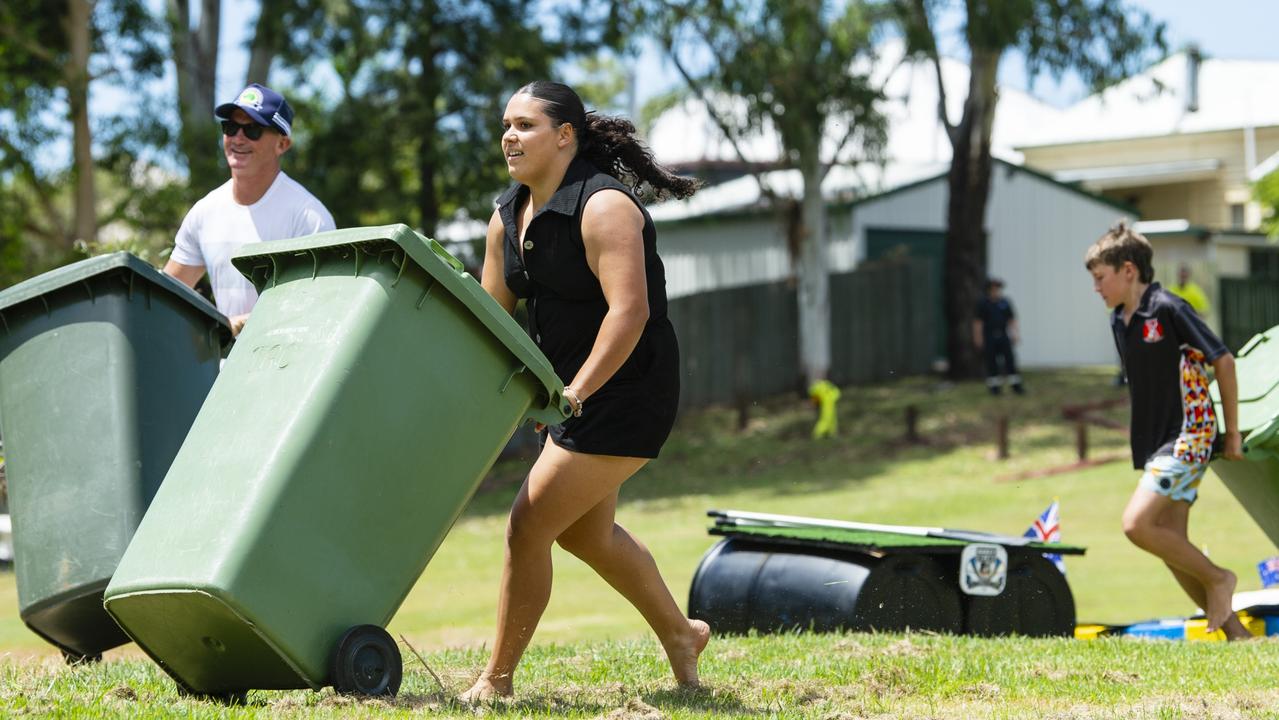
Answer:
(608, 142)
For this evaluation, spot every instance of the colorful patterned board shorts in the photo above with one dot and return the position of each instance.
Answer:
(1173, 478)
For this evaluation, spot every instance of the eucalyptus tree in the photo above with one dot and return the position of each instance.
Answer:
(1102, 41)
(802, 68)
(52, 52)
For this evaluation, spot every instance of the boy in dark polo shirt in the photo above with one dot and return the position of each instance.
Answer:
(1165, 348)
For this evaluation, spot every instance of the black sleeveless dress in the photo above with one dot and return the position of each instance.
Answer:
(632, 413)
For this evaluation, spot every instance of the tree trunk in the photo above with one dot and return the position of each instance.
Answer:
(195, 53)
(969, 183)
(78, 24)
(429, 91)
(266, 42)
(814, 281)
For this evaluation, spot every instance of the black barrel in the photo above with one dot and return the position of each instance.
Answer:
(742, 585)
(1036, 601)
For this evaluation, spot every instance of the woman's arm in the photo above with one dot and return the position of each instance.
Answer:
(493, 275)
(613, 233)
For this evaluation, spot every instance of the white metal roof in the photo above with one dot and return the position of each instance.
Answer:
(1232, 94)
(842, 183)
(687, 133)
(917, 147)
(1119, 176)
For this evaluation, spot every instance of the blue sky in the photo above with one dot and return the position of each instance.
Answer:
(1229, 29)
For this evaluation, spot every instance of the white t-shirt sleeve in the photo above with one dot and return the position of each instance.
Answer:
(186, 246)
(312, 219)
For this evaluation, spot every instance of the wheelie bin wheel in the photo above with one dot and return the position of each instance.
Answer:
(237, 698)
(71, 657)
(366, 662)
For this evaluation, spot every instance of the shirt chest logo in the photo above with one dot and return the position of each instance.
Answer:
(1152, 331)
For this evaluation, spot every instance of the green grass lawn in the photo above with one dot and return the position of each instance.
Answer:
(868, 473)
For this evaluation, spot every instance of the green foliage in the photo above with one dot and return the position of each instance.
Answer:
(409, 133)
(794, 64)
(412, 133)
(35, 186)
(604, 84)
(1266, 192)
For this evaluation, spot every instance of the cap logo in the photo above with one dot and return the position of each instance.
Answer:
(250, 97)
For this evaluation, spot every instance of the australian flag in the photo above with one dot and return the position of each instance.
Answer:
(1047, 528)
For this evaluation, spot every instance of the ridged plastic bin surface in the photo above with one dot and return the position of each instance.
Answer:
(1254, 481)
(365, 400)
(103, 366)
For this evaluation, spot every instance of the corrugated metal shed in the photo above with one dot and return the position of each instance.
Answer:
(1039, 230)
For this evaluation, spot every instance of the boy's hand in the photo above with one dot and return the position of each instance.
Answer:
(1233, 449)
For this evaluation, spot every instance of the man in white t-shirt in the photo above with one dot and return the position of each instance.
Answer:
(258, 203)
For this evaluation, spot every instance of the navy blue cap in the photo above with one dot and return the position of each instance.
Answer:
(266, 107)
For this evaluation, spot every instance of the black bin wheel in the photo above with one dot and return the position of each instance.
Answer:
(71, 657)
(366, 662)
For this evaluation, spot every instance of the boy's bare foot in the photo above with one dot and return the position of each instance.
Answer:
(1235, 630)
(1220, 595)
(685, 650)
(487, 688)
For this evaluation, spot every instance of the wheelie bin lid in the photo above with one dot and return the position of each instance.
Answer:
(1257, 370)
(445, 269)
(34, 289)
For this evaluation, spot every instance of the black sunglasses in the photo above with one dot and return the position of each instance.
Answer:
(252, 131)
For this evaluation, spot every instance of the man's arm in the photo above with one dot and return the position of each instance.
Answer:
(188, 275)
(977, 332)
(1227, 384)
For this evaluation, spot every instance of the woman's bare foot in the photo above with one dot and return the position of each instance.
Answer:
(487, 688)
(1220, 597)
(684, 651)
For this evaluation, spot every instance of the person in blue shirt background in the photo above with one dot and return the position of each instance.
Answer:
(994, 333)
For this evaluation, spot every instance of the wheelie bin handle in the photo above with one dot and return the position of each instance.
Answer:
(1262, 436)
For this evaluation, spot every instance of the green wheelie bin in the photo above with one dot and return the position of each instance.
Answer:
(1254, 481)
(357, 414)
(103, 366)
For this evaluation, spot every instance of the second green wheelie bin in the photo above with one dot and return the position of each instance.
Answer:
(1254, 481)
(363, 403)
(103, 366)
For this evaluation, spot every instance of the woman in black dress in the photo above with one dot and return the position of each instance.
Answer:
(576, 242)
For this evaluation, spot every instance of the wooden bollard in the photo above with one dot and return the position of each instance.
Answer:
(1001, 430)
(1081, 439)
(912, 424)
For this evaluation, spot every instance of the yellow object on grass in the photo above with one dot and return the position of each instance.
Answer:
(1197, 629)
(825, 394)
(1091, 632)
